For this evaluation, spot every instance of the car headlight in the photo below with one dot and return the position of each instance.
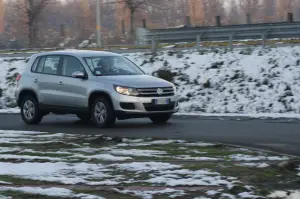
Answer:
(126, 90)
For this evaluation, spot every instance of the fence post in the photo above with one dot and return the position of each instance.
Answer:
(199, 40)
(154, 45)
(231, 41)
(264, 38)
(123, 27)
(248, 18)
(218, 21)
(290, 17)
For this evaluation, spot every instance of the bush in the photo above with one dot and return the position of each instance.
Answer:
(164, 74)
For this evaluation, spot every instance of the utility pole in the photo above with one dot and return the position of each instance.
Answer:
(98, 26)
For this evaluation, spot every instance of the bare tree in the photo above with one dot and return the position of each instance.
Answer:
(212, 9)
(234, 13)
(145, 5)
(251, 8)
(285, 7)
(32, 10)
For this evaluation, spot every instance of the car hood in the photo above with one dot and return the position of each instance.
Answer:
(135, 81)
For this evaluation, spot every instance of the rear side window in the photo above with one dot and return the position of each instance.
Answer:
(34, 65)
(46, 65)
(40, 65)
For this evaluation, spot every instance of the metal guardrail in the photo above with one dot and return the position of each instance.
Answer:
(263, 31)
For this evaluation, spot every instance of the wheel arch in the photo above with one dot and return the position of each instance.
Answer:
(103, 94)
(24, 93)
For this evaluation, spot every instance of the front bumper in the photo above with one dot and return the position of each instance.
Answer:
(143, 106)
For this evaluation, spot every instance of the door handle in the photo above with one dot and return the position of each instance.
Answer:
(60, 83)
(35, 80)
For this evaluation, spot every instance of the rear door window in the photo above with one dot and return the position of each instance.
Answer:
(35, 64)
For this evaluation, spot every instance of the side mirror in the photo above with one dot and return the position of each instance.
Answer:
(78, 74)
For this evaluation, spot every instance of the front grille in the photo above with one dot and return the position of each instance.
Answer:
(152, 92)
(152, 107)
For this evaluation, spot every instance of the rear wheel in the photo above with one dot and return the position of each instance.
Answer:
(30, 111)
(102, 113)
(84, 117)
(161, 118)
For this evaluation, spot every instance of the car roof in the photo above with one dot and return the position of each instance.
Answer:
(78, 53)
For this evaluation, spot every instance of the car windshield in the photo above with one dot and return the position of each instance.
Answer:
(112, 65)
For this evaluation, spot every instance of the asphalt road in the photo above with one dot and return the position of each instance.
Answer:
(280, 135)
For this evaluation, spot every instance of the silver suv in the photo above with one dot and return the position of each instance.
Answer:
(97, 86)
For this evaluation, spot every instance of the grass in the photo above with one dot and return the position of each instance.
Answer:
(21, 195)
(25, 182)
(261, 177)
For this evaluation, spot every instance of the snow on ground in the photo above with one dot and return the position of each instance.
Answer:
(243, 157)
(252, 82)
(91, 160)
(55, 192)
(285, 194)
(257, 165)
(245, 81)
(149, 194)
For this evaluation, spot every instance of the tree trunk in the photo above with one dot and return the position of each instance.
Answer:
(32, 35)
(132, 31)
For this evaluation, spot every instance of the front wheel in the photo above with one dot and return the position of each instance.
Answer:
(30, 111)
(161, 118)
(102, 113)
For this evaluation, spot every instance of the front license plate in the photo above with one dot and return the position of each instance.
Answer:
(162, 101)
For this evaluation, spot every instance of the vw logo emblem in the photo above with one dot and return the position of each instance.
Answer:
(159, 91)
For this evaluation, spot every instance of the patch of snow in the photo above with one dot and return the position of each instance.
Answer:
(146, 166)
(27, 157)
(188, 157)
(53, 191)
(105, 157)
(200, 144)
(172, 193)
(293, 194)
(227, 196)
(243, 157)
(170, 46)
(8, 149)
(148, 143)
(248, 195)
(137, 152)
(66, 173)
(11, 133)
(257, 165)
(212, 192)
(85, 150)
(2, 182)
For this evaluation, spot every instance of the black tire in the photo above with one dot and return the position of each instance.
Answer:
(110, 117)
(84, 117)
(37, 115)
(161, 118)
